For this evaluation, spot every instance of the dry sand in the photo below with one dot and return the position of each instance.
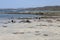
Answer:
(43, 29)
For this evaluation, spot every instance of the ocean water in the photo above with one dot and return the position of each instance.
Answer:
(11, 16)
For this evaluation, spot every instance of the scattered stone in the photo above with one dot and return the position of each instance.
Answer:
(4, 26)
(21, 32)
(39, 18)
(18, 33)
(37, 31)
(25, 21)
(38, 25)
(58, 20)
(37, 34)
(45, 34)
(50, 25)
(31, 27)
(13, 21)
(28, 32)
(44, 25)
(28, 21)
(49, 21)
(15, 33)
(36, 17)
(58, 26)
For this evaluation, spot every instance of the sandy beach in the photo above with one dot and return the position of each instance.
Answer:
(43, 29)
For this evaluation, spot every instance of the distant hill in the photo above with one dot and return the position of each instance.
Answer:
(52, 8)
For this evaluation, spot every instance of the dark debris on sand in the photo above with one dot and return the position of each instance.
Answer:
(18, 33)
(4, 26)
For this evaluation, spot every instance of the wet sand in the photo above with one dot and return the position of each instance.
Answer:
(43, 29)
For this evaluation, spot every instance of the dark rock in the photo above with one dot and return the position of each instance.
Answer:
(45, 34)
(37, 34)
(18, 33)
(4, 26)
(13, 21)
(37, 31)
(28, 21)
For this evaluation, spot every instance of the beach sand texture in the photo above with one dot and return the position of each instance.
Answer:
(43, 29)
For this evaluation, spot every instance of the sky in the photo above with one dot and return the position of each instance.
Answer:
(28, 3)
